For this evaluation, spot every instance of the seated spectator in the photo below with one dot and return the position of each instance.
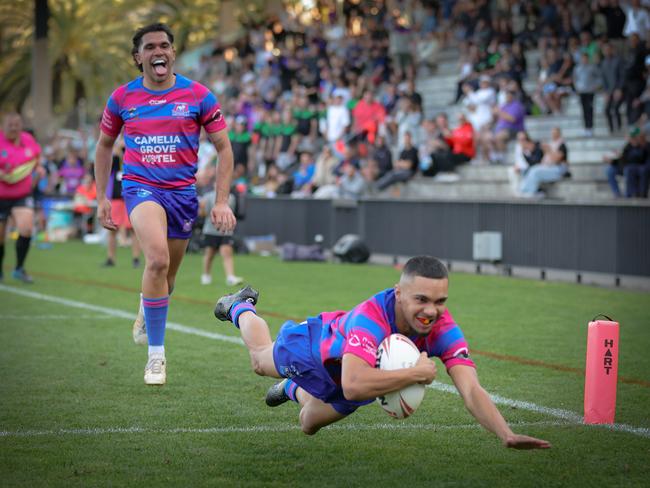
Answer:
(382, 155)
(553, 167)
(479, 103)
(352, 184)
(461, 149)
(367, 117)
(404, 168)
(302, 177)
(632, 162)
(509, 119)
(326, 163)
(527, 153)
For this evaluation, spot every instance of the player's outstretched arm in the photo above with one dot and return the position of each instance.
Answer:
(221, 214)
(480, 405)
(360, 381)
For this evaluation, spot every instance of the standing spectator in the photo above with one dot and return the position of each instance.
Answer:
(19, 156)
(632, 163)
(614, 18)
(611, 70)
(553, 167)
(241, 141)
(587, 81)
(480, 103)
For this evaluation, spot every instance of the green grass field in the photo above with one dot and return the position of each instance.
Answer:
(74, 410)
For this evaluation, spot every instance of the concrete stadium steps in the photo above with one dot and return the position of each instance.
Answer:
(490, 173)
(567, 189)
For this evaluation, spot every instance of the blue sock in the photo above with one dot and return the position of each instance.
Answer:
(239, 308)
(290, 389)
(155, 317)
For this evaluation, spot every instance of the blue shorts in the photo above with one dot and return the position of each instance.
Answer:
(296, 354)
(181, 207)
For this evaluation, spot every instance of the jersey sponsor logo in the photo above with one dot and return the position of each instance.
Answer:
(462, 353)
(157, 101)
(181, 109)
(216, 116)
(354, 340)
(157, 149)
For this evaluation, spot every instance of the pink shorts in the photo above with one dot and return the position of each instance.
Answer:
(119, 215)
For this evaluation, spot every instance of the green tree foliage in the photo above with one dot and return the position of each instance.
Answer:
(89, 44)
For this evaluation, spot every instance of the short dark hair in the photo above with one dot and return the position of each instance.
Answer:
(426, 267)
(139, 34)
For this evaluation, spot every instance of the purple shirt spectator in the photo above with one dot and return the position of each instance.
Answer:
(516, 110)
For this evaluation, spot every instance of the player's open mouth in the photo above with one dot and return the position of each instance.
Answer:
(159, 67)
(424, 320)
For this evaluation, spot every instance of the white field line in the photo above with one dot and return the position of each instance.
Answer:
(397, 425)
(559, 413)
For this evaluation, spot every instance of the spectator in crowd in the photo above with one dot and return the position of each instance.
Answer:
(326, 163)
(351, 184)
(480, 103)
(632, 163)
(460, 150)
(367, 117)
(528, 152)
(553, 167)
(381, 154)
(404, 168)
(337, 118)
(637, 19)
(587, 81)
(303, 176)
(241, 141)
(85, 203)
(611, 70)
(71, 171)
(633, 76)
(509, 120)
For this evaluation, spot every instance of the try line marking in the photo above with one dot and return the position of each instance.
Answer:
(566, 415)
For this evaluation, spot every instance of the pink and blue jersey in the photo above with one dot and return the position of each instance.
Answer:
(161, 130)
(361, 330)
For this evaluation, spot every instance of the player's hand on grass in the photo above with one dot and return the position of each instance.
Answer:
(222, 217)
(425, 369)
(517, 441)
(104, 214)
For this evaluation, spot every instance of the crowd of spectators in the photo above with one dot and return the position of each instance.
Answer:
(329, 108)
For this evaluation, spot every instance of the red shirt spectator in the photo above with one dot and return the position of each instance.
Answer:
(368, 115)
(461, 139)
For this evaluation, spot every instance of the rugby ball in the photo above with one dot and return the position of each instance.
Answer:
(396, 352)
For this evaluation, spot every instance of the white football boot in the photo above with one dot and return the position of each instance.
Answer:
(155, 372)
(233, 280)
(139, 327)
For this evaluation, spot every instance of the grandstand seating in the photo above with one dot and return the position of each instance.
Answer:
(587, 182)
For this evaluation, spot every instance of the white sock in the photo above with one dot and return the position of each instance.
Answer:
(156, 351)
